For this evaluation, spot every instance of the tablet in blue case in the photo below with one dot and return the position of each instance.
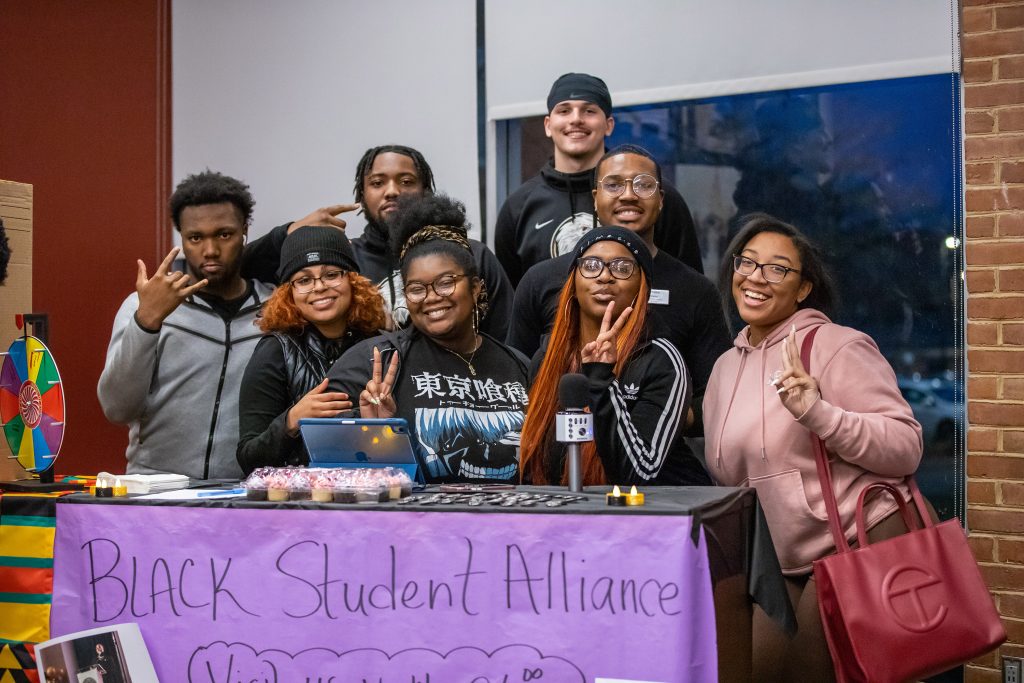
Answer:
(360, 442)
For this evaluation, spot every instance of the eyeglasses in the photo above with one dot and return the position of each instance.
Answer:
(307, 283)
(443, 286)
(644, 185)
(772, 272)
(591, 267)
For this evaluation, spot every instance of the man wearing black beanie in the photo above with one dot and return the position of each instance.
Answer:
(546, 216)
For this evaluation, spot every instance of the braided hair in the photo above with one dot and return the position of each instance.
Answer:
(423, 170)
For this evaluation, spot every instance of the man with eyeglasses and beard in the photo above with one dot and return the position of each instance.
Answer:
(685, 304)
(546, 216)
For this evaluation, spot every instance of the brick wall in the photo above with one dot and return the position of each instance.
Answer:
(992, 45)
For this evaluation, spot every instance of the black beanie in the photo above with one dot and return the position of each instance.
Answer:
(627, 238)
(312, 246)
(580, 87)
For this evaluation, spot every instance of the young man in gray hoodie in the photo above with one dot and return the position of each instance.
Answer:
(181, 342)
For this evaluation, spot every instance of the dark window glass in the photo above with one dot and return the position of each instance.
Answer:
(868, 170)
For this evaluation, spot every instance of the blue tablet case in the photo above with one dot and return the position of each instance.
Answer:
(359, 442)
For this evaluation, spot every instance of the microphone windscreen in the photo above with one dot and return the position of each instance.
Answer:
(573, 391)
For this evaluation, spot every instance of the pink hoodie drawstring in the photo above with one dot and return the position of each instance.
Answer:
(764, 348)
(732, 397)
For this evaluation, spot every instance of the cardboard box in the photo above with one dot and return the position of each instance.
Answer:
(16, 292)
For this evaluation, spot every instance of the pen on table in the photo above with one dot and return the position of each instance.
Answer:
(226, 492)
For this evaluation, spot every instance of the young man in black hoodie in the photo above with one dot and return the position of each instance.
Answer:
(546, 216)
(382, 175)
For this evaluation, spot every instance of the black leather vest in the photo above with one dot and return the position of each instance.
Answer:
(308, 357)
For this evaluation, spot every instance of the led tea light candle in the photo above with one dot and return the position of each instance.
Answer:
(104, 489)
(634, 497)
(119, 488)
(615, 498)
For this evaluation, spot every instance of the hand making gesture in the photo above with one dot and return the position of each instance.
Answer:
(602, 349)
(317, 403)
(797, 389)
(328, 216)
(161, 294)
(376, 400)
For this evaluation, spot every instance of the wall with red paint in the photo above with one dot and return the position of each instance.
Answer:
(85, 118)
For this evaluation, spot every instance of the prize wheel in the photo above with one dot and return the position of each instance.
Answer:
(31, 403)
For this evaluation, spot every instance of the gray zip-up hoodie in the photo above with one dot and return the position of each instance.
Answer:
(177, 389)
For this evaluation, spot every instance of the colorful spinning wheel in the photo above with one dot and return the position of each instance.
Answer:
(31, 403)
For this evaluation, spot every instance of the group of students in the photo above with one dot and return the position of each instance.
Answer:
(212, 367)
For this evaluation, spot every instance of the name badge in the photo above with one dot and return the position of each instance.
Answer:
(659, 296)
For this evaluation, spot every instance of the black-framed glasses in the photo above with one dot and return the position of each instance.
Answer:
(307, 283)
(443, 286)
(591, 267)
(644, 185)
(772, 272)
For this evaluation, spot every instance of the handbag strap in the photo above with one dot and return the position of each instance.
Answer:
(915, 492)
(862, 528)
(828, 490)
(821, 461)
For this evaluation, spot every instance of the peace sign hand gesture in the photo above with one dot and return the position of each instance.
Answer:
(797, 389)
(376, 400)
(161, 294)
(602, 349)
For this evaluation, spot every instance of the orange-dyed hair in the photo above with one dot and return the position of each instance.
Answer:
(562, 356)
(365, 313)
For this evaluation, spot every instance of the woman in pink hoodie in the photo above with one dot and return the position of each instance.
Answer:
(761, 406)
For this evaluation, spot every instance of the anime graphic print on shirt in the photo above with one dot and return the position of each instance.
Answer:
(467, 425)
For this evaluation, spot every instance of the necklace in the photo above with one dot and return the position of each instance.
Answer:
(469, 361)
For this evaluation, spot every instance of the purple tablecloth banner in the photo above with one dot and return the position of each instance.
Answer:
(391, 597)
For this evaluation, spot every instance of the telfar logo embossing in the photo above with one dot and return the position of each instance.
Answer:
(906, 597)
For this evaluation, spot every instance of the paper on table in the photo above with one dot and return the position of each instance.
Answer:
(145, 483)
(192, 494)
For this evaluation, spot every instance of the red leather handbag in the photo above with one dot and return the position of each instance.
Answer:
(904, 608)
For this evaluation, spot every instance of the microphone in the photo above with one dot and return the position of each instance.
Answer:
(572, 425)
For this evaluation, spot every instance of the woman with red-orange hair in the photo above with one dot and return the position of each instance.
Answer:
(321, 308)
(639, 386)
